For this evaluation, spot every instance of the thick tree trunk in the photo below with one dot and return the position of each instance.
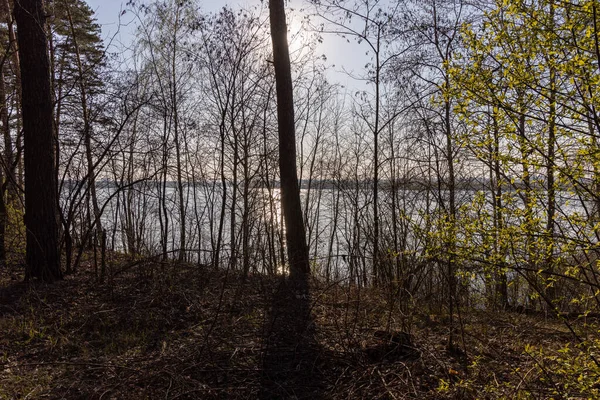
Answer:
(43, 260)
(290, 194)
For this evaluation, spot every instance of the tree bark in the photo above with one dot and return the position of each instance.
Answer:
(96, 224)
(11, 163)
(5, 119)
(550, 173)
(43, 260)
(290, 193)
(501, 278)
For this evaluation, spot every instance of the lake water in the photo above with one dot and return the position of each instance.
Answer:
(339, 223)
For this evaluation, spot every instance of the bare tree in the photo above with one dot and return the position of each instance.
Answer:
(290, 195)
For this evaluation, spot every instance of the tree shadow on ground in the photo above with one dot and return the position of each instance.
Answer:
(292, 357)
(10, 296)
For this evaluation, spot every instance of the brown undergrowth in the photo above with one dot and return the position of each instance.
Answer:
(172, 331)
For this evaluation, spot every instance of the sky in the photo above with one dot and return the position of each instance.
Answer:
(337, 50)
(108, 11)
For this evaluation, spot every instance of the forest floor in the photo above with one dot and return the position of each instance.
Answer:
(173, 331)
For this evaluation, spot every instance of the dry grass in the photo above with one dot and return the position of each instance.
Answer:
(184, 332)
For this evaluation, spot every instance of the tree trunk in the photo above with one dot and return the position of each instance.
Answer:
(87, 136)
(550, 171)
(4, 118)
(175, 111)
(11, 163)
(43, 260)
(290, 194)
(501, 278)
(377, 275)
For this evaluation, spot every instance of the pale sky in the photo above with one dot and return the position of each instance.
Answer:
(338, 52)
(107, 11)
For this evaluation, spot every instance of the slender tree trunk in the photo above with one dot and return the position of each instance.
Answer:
(11, 163)
(550, 229)
(501, 279)
(163, 190)
(248, 130)
(9, 158)
(217, 251)
(376, 267)
(451, 187)
(4, 118)
(290, 195)
(87, 135)
(394, 210)
(234, 180)
(313, 226)
(246, 210)
(129, 195)
(41, 205)
(527, 198)
(175, 108)
(271, 210)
